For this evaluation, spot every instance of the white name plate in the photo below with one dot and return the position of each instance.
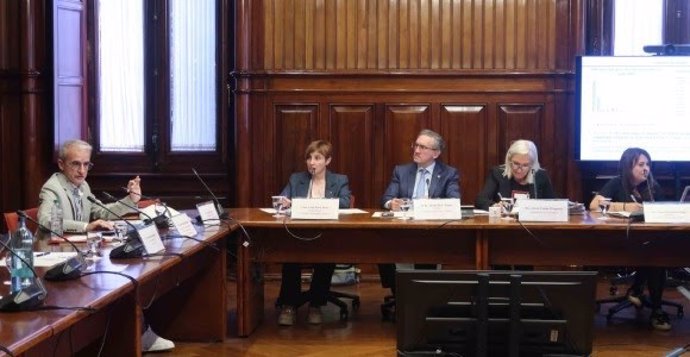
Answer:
(666, 212)
(437, 208)
(544, 210)
(315, 208)
(183, 225)
(208, 213)
(151, 239)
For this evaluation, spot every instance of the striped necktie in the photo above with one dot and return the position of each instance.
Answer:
(76, 195)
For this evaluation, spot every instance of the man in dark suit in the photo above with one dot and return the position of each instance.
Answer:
(426, 177)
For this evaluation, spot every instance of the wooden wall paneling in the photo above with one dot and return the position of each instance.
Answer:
(371, 34)
(34, 47)
(402, 123)
(489, 29)
(262, 160)
(295, 127)
(411, 34)
(520, 121)
(351, 45)
(288, 32)
(677, 30)
(477, 25)
(341, 34)
(352, 135)
(509, 34)
(303, 33)
(465, 129)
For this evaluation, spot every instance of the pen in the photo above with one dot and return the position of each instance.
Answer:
(42, 254)
(633, 198)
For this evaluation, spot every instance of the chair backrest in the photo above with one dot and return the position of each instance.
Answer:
(146, 203)
(12, 220)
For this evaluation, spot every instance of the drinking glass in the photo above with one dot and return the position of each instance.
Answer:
(604, 204)
(507, 204)
(93, 241)
(405, 206)
(121, 230)
(277, 202)
(10, 259)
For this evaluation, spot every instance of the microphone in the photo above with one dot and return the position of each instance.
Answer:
(534, 182)
(70, 269)
(132, 248)
(428, 182)
(161, 221)
(650, 182)
(29, 296)
(678, 351)
(221, 211)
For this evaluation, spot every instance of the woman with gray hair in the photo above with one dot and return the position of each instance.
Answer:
(520, 176)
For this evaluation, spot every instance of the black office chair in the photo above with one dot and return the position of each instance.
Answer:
(387, 274)
(333, 297)
(622, 302)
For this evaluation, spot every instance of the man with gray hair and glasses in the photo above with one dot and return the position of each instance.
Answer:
(425, 177)
(69, 189)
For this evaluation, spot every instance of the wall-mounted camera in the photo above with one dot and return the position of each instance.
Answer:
(668, 49)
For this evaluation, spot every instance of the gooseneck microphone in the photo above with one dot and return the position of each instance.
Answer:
(534, 182)
(70, 269)
(29, 296)
(221, 211)
(650, 182)
(132, 247)
(161, 220)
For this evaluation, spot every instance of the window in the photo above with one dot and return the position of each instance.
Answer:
(121, 75)
(637, 23)
(157, 77)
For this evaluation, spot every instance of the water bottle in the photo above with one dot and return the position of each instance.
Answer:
(22, 243)
(56, 220)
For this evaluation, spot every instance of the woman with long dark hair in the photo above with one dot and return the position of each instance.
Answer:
(626, 192)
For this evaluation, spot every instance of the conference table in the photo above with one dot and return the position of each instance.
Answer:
(476, 242)
(183, 291)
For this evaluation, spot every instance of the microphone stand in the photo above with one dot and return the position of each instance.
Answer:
(221, 211)
(132, 248)
(534, 178)
(29, 296)
(70, 269)
(161, 221)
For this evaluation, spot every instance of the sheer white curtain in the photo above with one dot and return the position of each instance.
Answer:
(193, 75)
(637, 23)
(121, 75)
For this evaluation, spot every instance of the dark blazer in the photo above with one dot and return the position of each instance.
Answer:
(496, 182)
(445, 182)
(336, 186)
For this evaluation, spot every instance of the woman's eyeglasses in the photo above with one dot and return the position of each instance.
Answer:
(519, 166)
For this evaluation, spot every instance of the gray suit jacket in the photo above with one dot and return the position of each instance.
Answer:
(59, 188)
(445, 182)
(336, 186)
